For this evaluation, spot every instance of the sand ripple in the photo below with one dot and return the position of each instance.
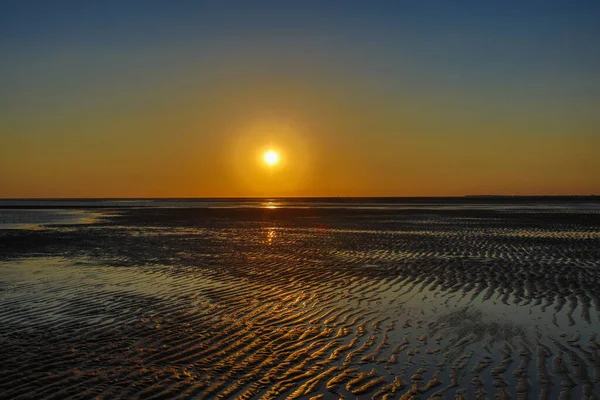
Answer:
(157, 304)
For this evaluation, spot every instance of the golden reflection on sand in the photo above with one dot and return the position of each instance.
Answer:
(271, 234)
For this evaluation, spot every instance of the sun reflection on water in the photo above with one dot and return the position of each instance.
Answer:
(271, 234)
(270, 205)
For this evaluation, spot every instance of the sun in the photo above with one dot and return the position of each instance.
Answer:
(271, 157)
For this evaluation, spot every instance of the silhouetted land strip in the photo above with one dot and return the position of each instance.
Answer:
(96, 203)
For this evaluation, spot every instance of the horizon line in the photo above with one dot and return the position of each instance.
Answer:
(470, 196)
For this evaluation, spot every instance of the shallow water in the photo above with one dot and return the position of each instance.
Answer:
(303, 303)
(38, 219)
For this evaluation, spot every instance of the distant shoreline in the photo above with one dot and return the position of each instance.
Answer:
(320, 198)
(116, 203)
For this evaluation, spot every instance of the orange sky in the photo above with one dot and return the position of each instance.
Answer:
(355, 106)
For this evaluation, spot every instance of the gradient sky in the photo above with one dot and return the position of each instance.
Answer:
(179, 98)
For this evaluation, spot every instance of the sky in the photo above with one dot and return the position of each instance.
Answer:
(404, 98)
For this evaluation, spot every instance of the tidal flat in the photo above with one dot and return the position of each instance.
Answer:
(286, 302)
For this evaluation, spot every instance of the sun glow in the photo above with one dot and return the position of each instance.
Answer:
(271, 157)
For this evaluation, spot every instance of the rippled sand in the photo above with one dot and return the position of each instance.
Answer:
(304, 303)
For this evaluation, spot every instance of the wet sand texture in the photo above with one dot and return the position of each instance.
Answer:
(303, 304)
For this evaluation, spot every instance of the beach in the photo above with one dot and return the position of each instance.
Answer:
(303, 300)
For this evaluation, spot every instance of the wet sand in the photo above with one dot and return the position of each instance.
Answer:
(304, 303)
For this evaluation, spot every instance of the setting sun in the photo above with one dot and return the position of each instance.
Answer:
(271, 157)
